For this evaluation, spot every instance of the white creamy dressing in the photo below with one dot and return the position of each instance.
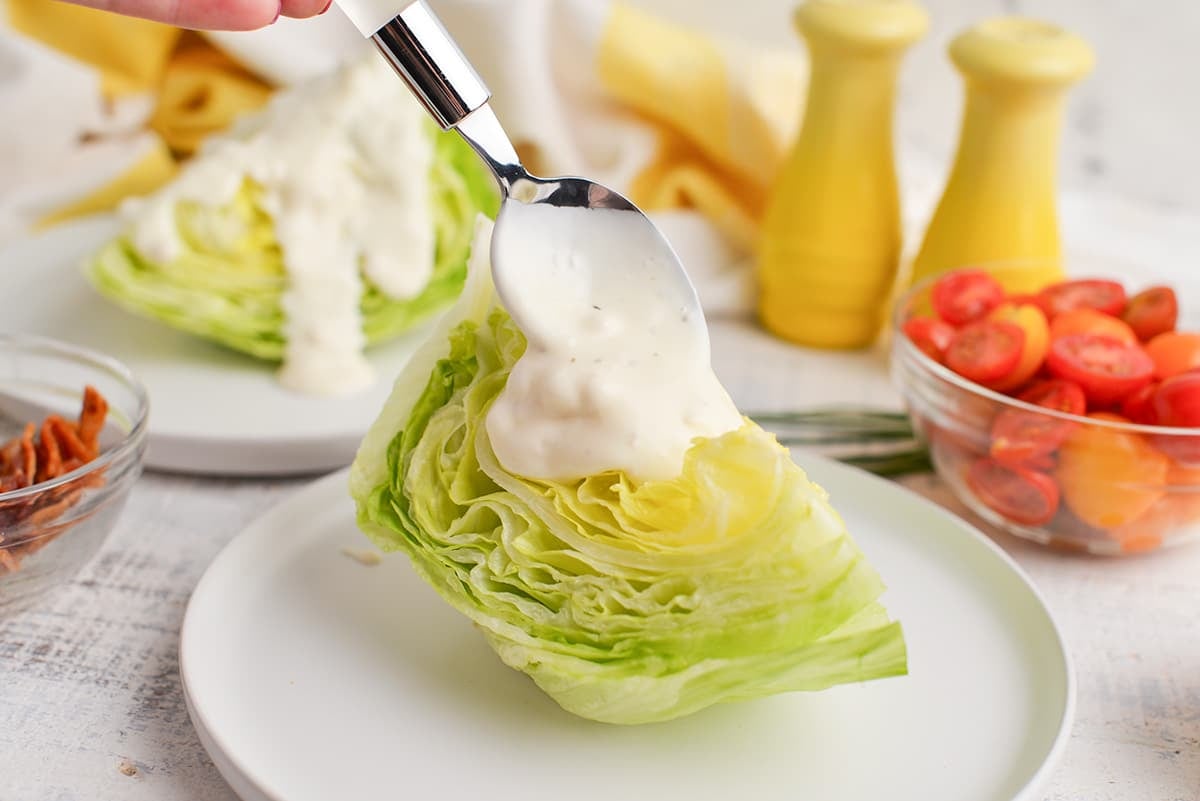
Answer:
(343, 162)
(616, 376)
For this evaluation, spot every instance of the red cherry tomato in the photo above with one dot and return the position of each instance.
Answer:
(929, 334)
(964, 296)
(1090, 321)
(1176, 403)
(1027, 438)
(1021, 495)
(1021, 438)
(1174, 352)
(986, 351)
(1152, 312)
(1139, 407)
(1058, 394)
(1091, 293)
(1107, 369)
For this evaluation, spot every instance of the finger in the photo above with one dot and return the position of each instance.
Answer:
(305, 8)
(223, 15)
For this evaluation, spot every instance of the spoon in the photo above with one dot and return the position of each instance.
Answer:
(422, 52)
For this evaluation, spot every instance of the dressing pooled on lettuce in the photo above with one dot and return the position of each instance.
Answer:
(336, 217)
(627, 598)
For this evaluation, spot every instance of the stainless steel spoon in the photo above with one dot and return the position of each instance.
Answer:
(422, 52)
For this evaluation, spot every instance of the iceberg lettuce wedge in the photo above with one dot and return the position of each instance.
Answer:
(626, 602)
(228, 282)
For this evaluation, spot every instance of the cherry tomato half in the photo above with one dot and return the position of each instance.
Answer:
(1090, 321)
(1152, 312)
(1139, 407)
(1174, 353)
(1088, 293)
(1107, 369)
(986, 351)
(964, 296)
(1025, 439)
(929, 334)
(1176, 403)
(1110, 477)
(1023, 496)
(1058, 394)
(1032, 321)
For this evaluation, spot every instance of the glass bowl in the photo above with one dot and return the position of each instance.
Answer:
(51, 528)
(1111, 487)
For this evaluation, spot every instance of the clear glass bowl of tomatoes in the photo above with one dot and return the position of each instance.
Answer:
(1070, 417)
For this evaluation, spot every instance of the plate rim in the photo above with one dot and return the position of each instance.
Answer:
(226, 761)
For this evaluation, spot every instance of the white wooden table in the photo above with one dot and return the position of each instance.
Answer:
(91, 707)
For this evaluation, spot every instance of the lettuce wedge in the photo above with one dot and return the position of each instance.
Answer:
(626, 602)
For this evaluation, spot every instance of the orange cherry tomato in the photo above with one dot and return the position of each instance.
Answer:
(1109, 477)
(1032, 321)
(1183, 492)
(964, 296)
(1108, 370)
(1173, 353)
(1178, 508)
(1090, 321)
(986, 351)
(929, 334)
(1091, 293)
(1023, 496)
(1152, 312)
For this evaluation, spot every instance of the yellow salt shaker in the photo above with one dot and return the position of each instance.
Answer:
(829, 245)
(999, 207)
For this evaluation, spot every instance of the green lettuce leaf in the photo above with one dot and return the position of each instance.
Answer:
(228, 283)
(626, 602)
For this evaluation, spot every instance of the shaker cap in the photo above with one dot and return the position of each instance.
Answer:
(866, 25)
(1021, 50)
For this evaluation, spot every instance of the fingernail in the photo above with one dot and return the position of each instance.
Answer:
(278, 11)
(328, 5)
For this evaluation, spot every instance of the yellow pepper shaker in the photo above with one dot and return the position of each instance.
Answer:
(999, 203)
(829, 246)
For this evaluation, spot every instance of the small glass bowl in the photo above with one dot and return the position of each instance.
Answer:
(1120, 487)
(51, 529)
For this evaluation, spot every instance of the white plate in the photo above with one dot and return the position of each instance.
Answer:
(311, 677)
(211, 410)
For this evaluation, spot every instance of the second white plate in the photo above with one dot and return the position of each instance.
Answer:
(311, 677)
(212, 410)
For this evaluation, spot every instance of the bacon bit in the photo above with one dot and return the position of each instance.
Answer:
(62, 447)
(48, 456)
(28, 454)
(91, 418)
(10, 457)
(73, 450)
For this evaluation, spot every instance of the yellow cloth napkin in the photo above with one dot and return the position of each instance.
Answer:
(725, 114)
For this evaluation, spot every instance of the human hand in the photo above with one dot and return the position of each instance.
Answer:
(223, 15)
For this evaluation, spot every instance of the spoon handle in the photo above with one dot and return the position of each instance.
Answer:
(421, 51)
